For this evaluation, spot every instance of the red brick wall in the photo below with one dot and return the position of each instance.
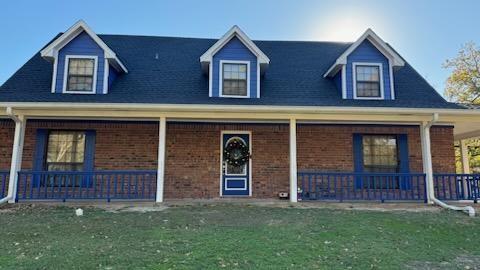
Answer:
(118, 145)
(193, 159)
(193, 151)
(330, 147)
(7, 132)
(443, 151)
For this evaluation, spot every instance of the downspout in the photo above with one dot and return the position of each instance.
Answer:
(429, 177)
(15, 119)
(18, 122)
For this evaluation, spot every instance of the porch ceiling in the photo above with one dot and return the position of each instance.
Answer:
(466, 130)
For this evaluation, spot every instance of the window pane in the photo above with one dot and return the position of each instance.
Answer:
(65, 150)
(80, 74)
(368, 81)
(234, 79)
(380, 153)
(366, 89)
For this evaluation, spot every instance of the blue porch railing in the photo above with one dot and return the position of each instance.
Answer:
(362, 186)
(4, 183)
(97, 185)
(457, 186)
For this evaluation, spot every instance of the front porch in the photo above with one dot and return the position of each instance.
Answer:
(178, 159)
(140, 185)
(387, 186)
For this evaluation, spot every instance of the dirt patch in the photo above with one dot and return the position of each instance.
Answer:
(460, 262)
(145, 207)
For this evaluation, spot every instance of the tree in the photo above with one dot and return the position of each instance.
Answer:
(463, 85)
(473, 147)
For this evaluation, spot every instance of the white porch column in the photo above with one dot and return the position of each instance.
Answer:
(465, 166)
(465, 158)
(293, 160)
(17, 152)
(161, 158)
(427, 160)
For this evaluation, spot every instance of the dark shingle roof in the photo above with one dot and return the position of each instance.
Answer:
(294, 77)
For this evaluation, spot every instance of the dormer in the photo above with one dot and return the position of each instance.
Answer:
(82, 62)
(234, 65)
(365, 69)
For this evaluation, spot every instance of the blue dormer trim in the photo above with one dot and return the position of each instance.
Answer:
(234, 46)
(82, 46)
(367, 54)
(234, 51)
(80, 41)
(368, 49)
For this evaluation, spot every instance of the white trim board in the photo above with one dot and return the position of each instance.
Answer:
(220, 77)
(65, 74)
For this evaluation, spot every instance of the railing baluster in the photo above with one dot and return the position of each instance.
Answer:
(129, 185)
(25, 185)
(136, 186)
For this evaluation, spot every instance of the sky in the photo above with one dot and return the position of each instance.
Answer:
(425, 33)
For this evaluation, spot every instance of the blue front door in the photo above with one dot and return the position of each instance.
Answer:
(236, 164)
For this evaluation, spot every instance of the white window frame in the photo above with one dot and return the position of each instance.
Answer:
(354, 73)
(220, 78)
(65, 74)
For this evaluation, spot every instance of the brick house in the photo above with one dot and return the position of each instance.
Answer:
(116, 117)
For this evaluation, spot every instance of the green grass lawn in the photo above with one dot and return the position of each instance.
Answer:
(234, 236)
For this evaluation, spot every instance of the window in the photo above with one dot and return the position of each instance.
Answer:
(65, 151)
(380, 154)
(235, 79)
(368, 81)
(80, 74)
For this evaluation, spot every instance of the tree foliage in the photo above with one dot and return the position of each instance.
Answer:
(473, 146)
(463, 85)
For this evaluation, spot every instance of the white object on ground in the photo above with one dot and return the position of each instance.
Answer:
(79, 212)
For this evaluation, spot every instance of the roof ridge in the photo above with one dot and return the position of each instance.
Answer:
(212, 39)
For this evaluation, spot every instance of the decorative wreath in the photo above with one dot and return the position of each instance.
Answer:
(236, 153)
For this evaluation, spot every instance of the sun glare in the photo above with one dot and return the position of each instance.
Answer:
(345, 28)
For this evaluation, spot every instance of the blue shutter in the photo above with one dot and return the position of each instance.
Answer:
(88, 164)
(41, 139)
(404, 166)
(358, 158)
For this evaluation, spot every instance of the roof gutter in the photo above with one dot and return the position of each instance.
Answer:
(236, 108)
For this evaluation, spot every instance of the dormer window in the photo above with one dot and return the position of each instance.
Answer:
(234, 78)
(368, 81)
(80, 74)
